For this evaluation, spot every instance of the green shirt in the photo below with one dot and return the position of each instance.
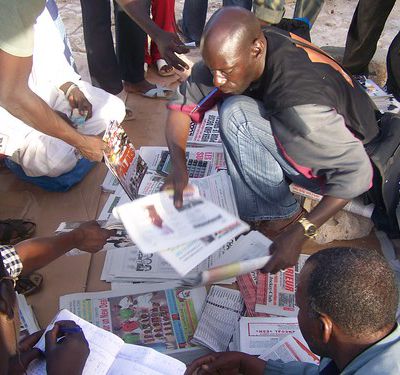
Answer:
(17, 18)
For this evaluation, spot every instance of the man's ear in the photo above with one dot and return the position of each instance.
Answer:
(326, 328)
(257, 48)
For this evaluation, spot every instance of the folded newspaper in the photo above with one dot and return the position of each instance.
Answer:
(155, 224)
(122, 159)
(27, 319)
(276, 292)
(207, 131)
(163, 320)
(110, 355)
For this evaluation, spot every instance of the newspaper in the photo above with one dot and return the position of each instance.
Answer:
(220, 315)
(200, 161)
(276, 292)
(259, 334)
(110, 355)
(207, 131)
(122, 159)
(155, 224)
(163, 320)
(27, 319)
(355, 206)
(110, 183)
(152, 183)
(118, 197)
(289, 349)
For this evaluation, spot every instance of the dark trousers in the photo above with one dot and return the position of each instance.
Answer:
(365, 30)
(195, 13)
(393, 67)
(106, 71)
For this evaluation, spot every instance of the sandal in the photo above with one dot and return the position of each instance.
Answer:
(13, 231)
(29, 284)
(164, 69)
(157, 92)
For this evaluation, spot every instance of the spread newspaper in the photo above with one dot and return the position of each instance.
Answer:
(219, 318)
(163, 320)
(276, 292)
(122, 159)
(290, 348)
(207, 131)
(257, 334)
(159, 225)
(109, 355)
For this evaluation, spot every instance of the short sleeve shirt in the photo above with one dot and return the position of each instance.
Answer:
(12, 262)
(17, 18)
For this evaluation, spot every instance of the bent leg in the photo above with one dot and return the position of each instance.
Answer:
(255, 165)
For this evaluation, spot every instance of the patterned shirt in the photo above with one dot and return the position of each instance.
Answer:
(11, 260)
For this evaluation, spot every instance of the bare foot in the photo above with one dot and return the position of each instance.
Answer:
(139, 87)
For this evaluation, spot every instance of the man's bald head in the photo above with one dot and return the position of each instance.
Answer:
(233, 40)
(230, 29)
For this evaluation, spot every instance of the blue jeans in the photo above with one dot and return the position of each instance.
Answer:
(195, 13)
(258, 170)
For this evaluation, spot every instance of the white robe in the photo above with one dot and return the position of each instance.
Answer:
(37, 153)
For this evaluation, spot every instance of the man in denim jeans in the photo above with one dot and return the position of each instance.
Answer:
(288, 113)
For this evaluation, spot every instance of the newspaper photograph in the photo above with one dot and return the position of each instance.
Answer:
(259, 334)
(355, 206)
(276, 292)
(207, 131)
(122, 159)
(162, 320)
(155, 224)
(290, 348)
(219, 318)
(200, 161)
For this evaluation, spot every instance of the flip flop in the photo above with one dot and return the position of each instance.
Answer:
(29, 284)
(157, 92)
(13, 231)
(164, 69)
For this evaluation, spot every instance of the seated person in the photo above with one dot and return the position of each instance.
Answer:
(55, 81)
(22, 259)
(287, 113)
(347, 301)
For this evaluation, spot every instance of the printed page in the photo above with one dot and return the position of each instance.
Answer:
(219, 318)
(123, 160)
(276, 292)
(152, 183)
(110, 183)
(138, 360)
(154, 223)
(104, 346)
(28, 323)
(289, 349)
(162, 319)
(207, 131)
(258, 334)
(118, 198)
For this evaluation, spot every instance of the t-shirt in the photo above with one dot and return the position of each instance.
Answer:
(17, 18)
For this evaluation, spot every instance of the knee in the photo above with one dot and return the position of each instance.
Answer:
(232, 114)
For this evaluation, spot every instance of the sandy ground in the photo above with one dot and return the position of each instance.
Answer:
(330, 28)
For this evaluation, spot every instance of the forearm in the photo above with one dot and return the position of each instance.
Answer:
(38, 252)
(176, 134)
(138, 11)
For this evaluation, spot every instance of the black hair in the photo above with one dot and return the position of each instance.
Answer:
(356, 288)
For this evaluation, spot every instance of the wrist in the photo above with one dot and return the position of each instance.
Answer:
(72, 87)
(77, 237)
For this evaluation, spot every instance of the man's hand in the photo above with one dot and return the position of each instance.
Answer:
(285, 249)
(177, 180)
(169, 44)
(27, 353)
(77, 99)
(91, 237)
(91, 147)
(226, 363)
(68, 355)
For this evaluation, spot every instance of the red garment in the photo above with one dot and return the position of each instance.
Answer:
(163, 14)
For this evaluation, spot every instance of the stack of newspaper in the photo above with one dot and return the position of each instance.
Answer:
(383, 100)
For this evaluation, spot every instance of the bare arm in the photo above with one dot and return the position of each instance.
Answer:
(176, 133)
(38, 252)
(168, 43)
(18, 99)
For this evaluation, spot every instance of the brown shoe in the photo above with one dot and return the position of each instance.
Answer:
(271, 228)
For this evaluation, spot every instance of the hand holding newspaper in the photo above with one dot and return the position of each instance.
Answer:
(155, 224)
